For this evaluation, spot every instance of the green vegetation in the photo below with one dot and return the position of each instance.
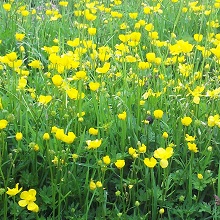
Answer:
(109, 109)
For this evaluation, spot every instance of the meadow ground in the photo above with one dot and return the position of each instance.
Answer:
(109, 109)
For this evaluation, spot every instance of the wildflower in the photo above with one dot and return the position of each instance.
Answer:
(44, 100)
(3, 124)
(18, 136)
(189, 138)
(150, 162)
(163, 154)
(94, 144)
(13, 191)
(158, 114)
(63, 3)
(131, 151)
(200, 176)
(122, 116)
(57, 80)
(94, 86)
(198, 37)
(75, 157)
(81, 74)
(165, 135)
(192, 147)
(36, 64)
(28, 199)
(93, 131)
(7, 6)
(106, 160)
(142, 148)
(36, 147)
(103, 69)
(92, 31)
(92, 185)
(19, 37)
(98, 184)
(161, 211)
(46, 136)
(186, 121)
(120, 164)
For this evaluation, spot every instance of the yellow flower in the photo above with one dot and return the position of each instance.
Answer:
(122, 116)
(19, 37)
(192, 147)
(57, 80)
(93, 131)
(18, 136)
(165, 135)
(99, 184)
(150, 162)
(36, 64)
(44, 100)
(13, 191)
(190, 138)
(94, 86)
(3, 124)
(142, 148)
(120, 164)
(151, 57)
(7, 7)
(81, 74)
(92, 185)
(63, 3)
(92, 31)
(186, 121)
(28, 199)
(161, 211)
(94, 144)
(198, 37)
(131, 151)
(158, 114)
(46, 136)
(75, 156)
(164, 163)
(106, 160)
(103, 69)
(200, 176)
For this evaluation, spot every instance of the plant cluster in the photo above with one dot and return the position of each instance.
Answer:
(109, 109)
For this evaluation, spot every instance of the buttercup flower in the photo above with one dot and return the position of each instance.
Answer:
(186, 121)
(158, 114)
(28, 199)
(150, 162)
(106, 160)
(3, 124)
(122, 116)
(18, 136)
(13, 191)
(120, 164)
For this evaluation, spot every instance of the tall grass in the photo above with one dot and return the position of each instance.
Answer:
(109, 109)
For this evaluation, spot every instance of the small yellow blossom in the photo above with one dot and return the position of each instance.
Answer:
(186, 121)
(18, 136)
(150, 162)
(13, 191)
(158, 114)
(200, 176)
(92, 185)
(28, 199)
(3, 124)
(106, 160)
(122, 116)
(120, 164)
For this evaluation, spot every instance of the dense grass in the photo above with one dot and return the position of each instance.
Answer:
(109, 109)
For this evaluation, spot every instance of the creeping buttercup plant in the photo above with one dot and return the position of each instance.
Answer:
(109, 109)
